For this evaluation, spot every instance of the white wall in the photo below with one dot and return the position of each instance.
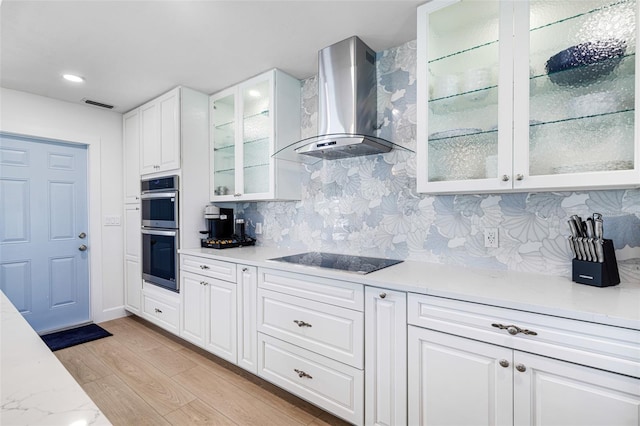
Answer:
(32, 115)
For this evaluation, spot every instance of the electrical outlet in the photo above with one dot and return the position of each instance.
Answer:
(491, 237)
(258, 228)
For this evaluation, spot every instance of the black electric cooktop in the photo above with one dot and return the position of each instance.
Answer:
(343, 262)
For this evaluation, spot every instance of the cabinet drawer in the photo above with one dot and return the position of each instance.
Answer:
(329, 384)
(161, 311)
(326, 329)
(339, 293)
(212, 268)
(597, 345)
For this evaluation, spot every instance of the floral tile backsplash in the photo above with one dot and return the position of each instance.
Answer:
(370, 206)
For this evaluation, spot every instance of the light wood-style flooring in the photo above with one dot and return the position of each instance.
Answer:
(143, 375)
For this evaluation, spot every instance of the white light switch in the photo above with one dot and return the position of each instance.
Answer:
(112, 220)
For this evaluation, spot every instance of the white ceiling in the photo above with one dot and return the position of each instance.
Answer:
(132, 51)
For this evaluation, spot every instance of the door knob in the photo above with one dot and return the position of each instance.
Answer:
(82, 235)
(82, 248)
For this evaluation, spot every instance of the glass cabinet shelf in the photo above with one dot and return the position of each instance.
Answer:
(584, 14)
(227, 125)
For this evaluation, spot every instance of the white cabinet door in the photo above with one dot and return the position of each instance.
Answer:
(221, 338)
(132, 245)
(464, 92)
(247, 319)
(457, 381)
(193, 290)
(552, 392)
(385, 357)
(160, 134)
(131, 149)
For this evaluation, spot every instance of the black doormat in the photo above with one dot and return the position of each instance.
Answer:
(75, 336)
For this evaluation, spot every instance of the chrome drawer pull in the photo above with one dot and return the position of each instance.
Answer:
(521, 368)
(158, 311)
(204, 267)
(204, 283)
(513, 330)
(302, 374)
(302, 323)
(504, 363)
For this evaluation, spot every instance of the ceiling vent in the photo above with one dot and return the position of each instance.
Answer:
(96, 103)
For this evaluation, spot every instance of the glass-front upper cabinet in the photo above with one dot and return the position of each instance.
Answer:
(523, 95)
(249, 122)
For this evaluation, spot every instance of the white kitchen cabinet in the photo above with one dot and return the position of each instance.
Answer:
(131, 150)
(249, 122)
(492, 117)
(161, 307)
(160, 134)
(209, 311)
(386, 357)
(455, 380)
(476, 364)
(132, 265)
(311, 339)
(247, 318)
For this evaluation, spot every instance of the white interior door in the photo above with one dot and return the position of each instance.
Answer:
(44, 267)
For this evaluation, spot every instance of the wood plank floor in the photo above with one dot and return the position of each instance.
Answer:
(143, 375)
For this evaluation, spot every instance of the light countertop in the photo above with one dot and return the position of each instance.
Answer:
(35, 387)
(552, 295)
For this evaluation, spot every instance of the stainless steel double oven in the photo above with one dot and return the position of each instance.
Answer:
(160, 231)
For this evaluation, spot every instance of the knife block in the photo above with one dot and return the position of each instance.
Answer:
(598, 274)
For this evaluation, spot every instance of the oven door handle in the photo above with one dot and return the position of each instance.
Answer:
(153, 195)
(163, 232)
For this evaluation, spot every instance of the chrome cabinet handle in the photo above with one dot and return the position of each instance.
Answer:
(383, 295)
(158, 311)
(204, 283)
(82, 235)
(302, 374)
(521, 368)
(245, 269)
(513, 330)
(237, 194)
(504, 363)
(204, 267)
(82, 248)
(302, 323)
(505, 178)
(519, 176)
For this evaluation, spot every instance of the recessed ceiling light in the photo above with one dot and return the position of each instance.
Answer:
(73, 78)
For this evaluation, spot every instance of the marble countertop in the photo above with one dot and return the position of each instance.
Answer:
(552, 295)
(35, 387)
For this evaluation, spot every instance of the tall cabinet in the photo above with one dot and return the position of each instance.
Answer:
(249, 123)
(526, 95)
(165, 136)
(132, 236)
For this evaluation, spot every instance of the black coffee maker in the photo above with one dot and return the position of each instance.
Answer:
(221, 232)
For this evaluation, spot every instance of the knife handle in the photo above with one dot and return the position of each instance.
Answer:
(580, 249)
(599, 250)
(598, 229)
(590, 228)
(572, 247)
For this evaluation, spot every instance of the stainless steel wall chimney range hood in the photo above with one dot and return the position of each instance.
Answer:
(347, 104)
